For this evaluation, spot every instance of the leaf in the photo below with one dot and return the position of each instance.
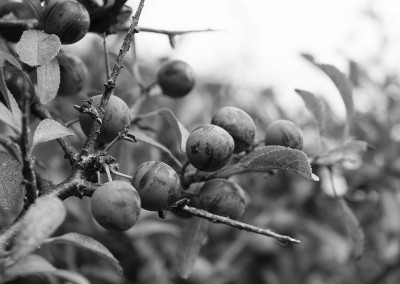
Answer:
(347, 151)
(70, 276)
(14, 72)
(314, 105)
(40, 221)
(278, 157)
(29, 265)
(181, 132)
(48, 80)
(192, 239)
(343, 84)
(353, 229)
(49, 129)
(88, 243)
(11, 188)
(142, 137)
(37, 48)
(7, 117)
(7, 56)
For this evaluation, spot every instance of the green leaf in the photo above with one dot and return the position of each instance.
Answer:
(29, 265)
(88, 243)
(37, 48)
(277, 157)
(49, 129)
(181, 132)
(48, 81)
(7, 117)
(11, 188)
(314, 105)
(192, 239)
(40, 221)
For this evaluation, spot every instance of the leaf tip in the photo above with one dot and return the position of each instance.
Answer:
(314, 177)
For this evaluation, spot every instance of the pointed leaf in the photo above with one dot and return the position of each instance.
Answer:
(29, 265)
(181, 132)
(49, 129)
(314, 105)
(343, 84)
(40, 221)
(192, 239)
(278, 157)
(88, 243)
(48, 80)
(352, 225)
(37, 48)
(11, 188)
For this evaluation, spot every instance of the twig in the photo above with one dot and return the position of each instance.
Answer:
(233, 223)
(109, 86)
(108, 173)
(106, 60)
(174, 33)
(27, 168)
(115, 172)
(9, 25)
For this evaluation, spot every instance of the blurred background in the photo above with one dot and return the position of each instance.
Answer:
(254, 60)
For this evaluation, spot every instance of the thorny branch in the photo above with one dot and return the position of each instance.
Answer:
(181, 205)
(110, 85)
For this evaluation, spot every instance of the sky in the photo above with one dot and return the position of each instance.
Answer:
(259, 43)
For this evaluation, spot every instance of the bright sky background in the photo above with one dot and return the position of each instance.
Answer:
(260, 41)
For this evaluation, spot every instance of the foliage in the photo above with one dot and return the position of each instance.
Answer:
(332, 207)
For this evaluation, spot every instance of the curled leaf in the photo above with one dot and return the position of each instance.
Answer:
(88, 243)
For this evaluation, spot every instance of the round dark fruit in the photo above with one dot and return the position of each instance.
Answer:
(222, 197)
(176, 78)
(238, 124)
(68, 19)
(158, 185)
(209, 147)
(284, 133)
(116, 119)
(73, 74)
(115, 205)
